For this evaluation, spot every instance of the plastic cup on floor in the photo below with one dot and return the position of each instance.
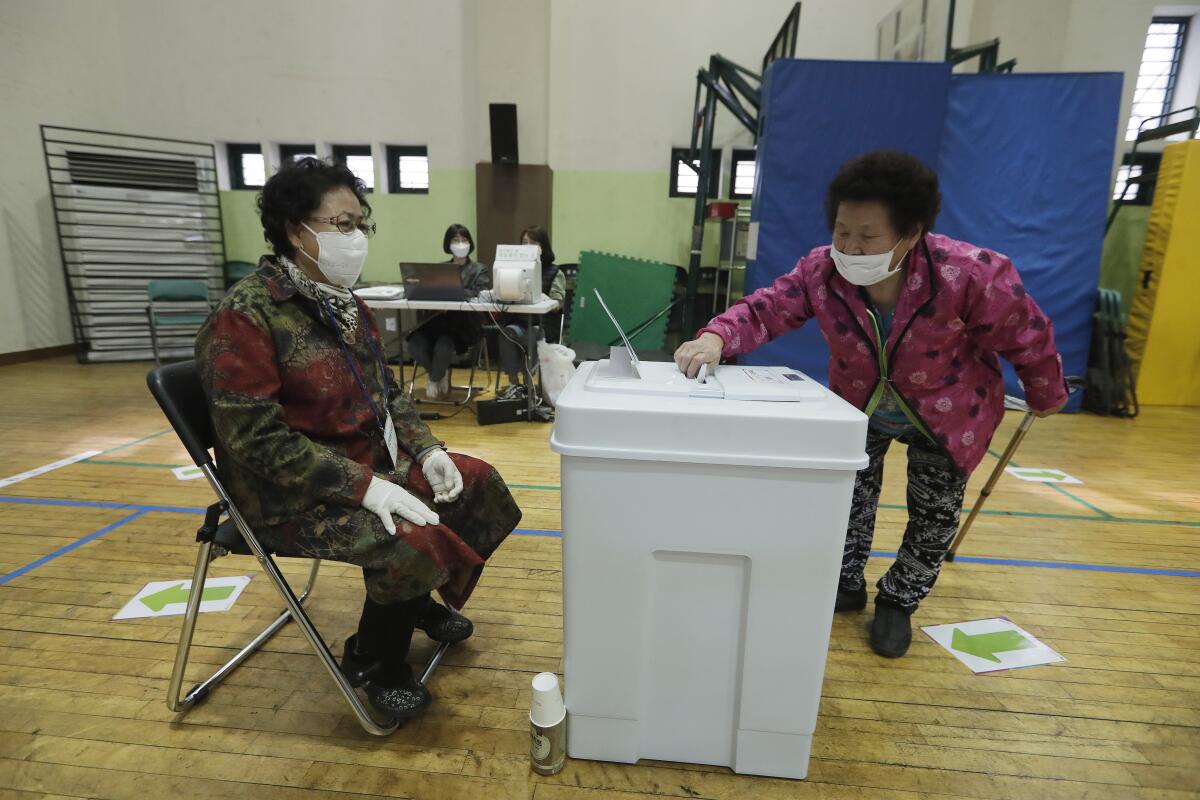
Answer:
(548, 708)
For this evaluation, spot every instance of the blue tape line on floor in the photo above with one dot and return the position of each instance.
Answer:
(1019, 562)
(32, 565)
(47, 501)
(1006, 562)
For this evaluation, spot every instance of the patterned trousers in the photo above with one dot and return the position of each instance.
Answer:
(448, 557)
(935, 495)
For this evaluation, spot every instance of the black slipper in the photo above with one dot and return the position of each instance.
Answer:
(445, 625)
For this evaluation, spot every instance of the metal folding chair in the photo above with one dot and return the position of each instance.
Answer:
(1012, 404)
(180, 395)
(175, 306)
(480, 361)
(234, 271)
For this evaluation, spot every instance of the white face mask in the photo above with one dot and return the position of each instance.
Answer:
(865, 270)
(340, 257)
(460, 249)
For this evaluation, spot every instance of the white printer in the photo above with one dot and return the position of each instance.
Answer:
(517, 274)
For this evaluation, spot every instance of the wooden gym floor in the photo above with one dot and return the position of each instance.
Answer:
(82, 709)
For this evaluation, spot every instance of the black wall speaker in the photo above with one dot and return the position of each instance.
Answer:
(504, 132)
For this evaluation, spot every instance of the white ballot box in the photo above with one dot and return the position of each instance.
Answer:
(703, 526)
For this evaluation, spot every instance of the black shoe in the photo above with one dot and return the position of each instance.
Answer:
(891, 630)
(851, 599)
(399, 693)
(514, 391)
(392, 690)
(445, 625)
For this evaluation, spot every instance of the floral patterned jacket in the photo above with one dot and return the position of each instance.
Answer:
(292, 425)
(959, 307)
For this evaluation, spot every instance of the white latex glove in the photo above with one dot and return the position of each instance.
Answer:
(444, 478)
(704, 350)
(385, 498)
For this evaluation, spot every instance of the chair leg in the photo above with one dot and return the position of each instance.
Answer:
(470, 388)
(185, 637)
(153, 336)
(293, 611)
(471, 378)
(434, 661)
(200, 691)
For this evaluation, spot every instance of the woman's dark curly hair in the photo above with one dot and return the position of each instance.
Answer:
(538, 234)
(458, 229)
(900, 182)
(293, 193)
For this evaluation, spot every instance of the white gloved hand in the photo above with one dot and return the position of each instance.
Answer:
(385, 498)
(444, 478)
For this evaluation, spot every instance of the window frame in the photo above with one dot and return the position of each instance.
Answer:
(1149, 161)
(233, 154)
(739, 154)
(288, 152)
(342, 151)
(714, 180)
(1172, 73)
(393, 153)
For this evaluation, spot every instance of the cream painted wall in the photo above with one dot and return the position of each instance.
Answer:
(622, 84)
(623, 76)
(604, 89)
(513, 67)
(399, 71)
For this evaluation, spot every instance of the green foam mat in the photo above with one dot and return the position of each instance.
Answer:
(635, 290)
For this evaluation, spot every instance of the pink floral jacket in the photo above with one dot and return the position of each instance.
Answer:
(959, 307)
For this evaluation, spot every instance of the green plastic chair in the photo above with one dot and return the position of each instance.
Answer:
(236, 270)
(183, 294)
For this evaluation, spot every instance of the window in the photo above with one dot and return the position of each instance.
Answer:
(358, 158)
(684, 181)
(294, 152)
(247, 170)
(1139, 194)
(408, 169)
(741, 176)
(1160, 66)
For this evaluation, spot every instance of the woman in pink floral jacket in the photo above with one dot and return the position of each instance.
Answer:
(915, 323)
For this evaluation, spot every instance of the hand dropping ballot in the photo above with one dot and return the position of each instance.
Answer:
(623, 372)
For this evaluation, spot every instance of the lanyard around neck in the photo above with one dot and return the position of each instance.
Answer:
(352, 362)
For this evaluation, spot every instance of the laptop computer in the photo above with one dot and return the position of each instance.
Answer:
(441, 281)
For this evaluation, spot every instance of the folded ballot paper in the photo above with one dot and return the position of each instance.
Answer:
(624, 372)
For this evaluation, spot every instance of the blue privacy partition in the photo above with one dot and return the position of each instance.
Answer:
(816, 115)
(1026, 168)
(1024, 161)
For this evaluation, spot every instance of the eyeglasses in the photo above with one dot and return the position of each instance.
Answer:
(346, 224)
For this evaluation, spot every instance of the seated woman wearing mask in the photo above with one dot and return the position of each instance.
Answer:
(914, 323)
(444, 334)
(320, 449)
(554, 286)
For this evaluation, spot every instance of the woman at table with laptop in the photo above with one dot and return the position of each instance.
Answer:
(441, 335)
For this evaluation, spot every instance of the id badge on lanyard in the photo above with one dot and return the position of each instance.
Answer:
(384, 420)
(389, 439)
